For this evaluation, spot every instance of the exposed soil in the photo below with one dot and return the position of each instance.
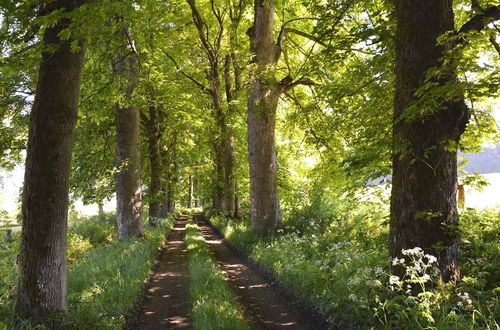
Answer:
(264, 302)
(167, 304)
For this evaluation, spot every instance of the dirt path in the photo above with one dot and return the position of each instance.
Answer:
(168, 303)
(264, 304)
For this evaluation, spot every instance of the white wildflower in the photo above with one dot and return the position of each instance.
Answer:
(393, 280)
(430, 258)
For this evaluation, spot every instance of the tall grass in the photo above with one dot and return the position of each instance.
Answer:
(214, 306)
(105, 276)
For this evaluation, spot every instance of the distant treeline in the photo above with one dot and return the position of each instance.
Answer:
(484, 162)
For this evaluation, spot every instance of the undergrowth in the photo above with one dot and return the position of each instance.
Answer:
(214, 306)
(105, 276)
(341, 265)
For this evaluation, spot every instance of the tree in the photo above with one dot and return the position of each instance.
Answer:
(42, 261)
(424, 182)
(128, 176)
(154, 135)
(262, 104)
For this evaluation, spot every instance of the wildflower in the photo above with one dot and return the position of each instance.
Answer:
(373, 283)
(416, 251)
(430, 258)
(353, 281)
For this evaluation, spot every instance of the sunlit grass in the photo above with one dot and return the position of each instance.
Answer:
(214, 306)
(339, 262)
(104, 280)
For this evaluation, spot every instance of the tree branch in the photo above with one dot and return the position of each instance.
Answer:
(200, 26)
(305, 35)
(495, 44)
(287, 83)
(481, 20)
(202, 87)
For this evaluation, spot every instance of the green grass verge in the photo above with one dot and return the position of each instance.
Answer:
(104, 281)
(214, 306)
(341, 265)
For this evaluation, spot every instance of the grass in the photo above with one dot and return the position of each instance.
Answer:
(105, 276)
(214, 306)
(340, 263)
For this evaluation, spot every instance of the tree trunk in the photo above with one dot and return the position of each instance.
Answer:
(155, 164)
(218, 188)
(224, 148)
(101, 214)
(128, 178)
(229, 194)
(191, 191)
(169, 161)
(424, 183)
(236, 201)
(167, 205)
(41, 289)
(229, 154)
(262, 104)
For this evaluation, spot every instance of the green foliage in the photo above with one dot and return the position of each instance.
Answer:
(96, 231)
(8, 278)
(114, 270)
(340, 263)
(214, 306)
(98, 273)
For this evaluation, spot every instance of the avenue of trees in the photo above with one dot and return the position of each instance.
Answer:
(241, 106)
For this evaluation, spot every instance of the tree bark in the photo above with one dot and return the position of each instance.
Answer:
(218, 184)
(191, 192)
(128, 177)
(169, 159)
(41, 292)
(424, 183)
(153, 127)
(262, 104)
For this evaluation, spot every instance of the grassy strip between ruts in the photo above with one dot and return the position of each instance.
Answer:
(214, 306)
(104, 283)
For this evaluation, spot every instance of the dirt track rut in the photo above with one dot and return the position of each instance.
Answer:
(168, 304)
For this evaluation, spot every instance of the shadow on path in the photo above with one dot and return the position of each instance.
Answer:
(168, 303)
(264, 305)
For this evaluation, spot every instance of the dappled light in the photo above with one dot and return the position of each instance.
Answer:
(249, 164)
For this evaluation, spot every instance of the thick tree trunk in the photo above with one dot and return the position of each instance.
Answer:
(155, 164)
(262, 104)
(424, 183)
(128, 178)
(265, 209)
(42, 261)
